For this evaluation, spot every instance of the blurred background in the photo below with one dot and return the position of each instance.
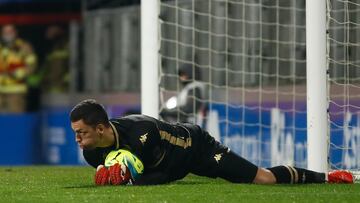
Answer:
(54, 54)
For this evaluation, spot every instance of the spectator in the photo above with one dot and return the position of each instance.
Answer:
(17, 61)
(56, 65)
(190, 103)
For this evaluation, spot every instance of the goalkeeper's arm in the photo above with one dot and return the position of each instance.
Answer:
(154, 178)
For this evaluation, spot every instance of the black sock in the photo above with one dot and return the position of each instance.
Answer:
(307, 176)
(289, 174)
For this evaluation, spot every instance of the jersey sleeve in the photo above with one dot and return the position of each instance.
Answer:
(154, 178)
(94, 157)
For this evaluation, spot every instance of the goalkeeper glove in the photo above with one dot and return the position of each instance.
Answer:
(116, 175)
(102, 175)
(119, 174)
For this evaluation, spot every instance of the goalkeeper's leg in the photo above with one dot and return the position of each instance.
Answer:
(293, 175)
(217, 160)
(236, 169)
(225, 164)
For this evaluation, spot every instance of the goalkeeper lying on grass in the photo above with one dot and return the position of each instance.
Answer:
(169, 152)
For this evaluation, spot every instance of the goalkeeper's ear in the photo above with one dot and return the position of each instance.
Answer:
(100, 129)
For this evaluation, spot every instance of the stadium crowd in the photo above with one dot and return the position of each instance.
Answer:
(23, 75)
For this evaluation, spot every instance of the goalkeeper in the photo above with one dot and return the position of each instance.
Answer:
(170, 151)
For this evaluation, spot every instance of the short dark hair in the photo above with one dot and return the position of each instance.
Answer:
(91, 112)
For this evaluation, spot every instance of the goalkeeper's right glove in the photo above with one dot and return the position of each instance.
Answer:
(102, 175)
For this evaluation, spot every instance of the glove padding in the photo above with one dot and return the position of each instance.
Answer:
(116, 175)
(102, 175)
(119, 174)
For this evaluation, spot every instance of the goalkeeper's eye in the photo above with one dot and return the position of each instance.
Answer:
(80, 133)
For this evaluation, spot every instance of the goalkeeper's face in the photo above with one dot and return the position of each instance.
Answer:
(86, 136)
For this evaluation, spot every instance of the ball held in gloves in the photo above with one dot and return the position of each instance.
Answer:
(126, 158)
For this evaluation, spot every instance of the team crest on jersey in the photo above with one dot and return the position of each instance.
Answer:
(143, 138)
(217, 157)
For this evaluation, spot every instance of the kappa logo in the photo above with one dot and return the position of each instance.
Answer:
(217, 157)
(143, 138)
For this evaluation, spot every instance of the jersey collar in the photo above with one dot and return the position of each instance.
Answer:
(116, 135)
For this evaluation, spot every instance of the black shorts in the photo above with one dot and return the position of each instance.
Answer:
(216, 160)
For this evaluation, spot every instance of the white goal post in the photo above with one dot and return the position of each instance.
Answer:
(149, 57)
(316, 74)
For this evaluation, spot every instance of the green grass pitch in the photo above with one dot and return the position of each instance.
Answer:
(75, 184)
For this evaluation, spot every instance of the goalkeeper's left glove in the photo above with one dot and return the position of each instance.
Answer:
(119, 174)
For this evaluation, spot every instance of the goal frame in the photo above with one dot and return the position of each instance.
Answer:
(317, 105)
(316, 86)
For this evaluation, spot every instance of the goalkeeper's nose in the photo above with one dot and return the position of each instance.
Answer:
(78, 139)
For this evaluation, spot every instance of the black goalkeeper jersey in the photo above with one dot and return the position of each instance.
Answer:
(167, 151)
(170, 151)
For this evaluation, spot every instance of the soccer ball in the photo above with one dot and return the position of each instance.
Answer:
(124, 157)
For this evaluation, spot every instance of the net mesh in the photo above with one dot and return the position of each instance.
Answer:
(250, 57)
(344, 95)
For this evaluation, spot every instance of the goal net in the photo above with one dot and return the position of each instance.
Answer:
(246, 76)
(344, 82)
